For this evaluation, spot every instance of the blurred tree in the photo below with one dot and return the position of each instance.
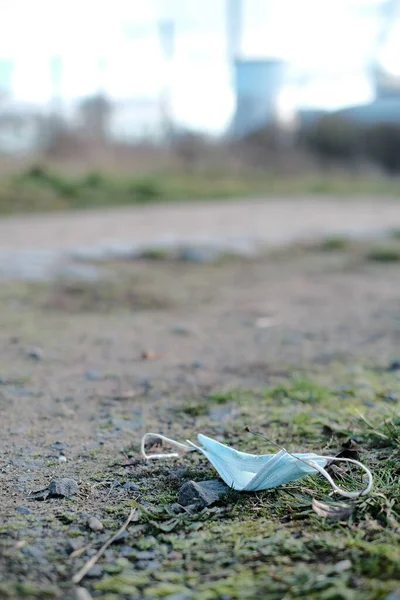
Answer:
(382, 146)
(334, 139)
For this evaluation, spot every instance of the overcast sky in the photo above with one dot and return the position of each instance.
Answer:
(313, 35)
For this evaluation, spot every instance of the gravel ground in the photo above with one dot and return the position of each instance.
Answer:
(87, 367)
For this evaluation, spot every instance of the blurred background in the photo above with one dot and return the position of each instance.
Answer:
(262, 95)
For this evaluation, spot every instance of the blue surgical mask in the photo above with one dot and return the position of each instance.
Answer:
(252, 472)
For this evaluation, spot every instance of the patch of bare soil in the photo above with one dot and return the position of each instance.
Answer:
(87, 369)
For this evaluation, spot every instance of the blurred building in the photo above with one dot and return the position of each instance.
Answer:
(259, 86)
(386, 106)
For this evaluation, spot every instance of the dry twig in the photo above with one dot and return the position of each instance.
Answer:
(93, 560)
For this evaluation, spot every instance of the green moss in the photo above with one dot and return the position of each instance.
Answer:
(127, 582)
(335, 243)
(384, 254)
(300, 389)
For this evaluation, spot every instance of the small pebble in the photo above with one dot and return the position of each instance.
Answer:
(95, 572)
(75, 544)
(343, 565)
(33, 552)
(394, 366)
(62, 459)
(181, 330)
(145, 555)
(122, 536)
(203, 493)
(130, 486)
(23, 510)
(198, 364)
(63, 487)
(94, 524)
(93, 375)
(35, 353)
(126, 551)
(82, 594)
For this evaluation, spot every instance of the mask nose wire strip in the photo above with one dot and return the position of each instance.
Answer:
(336, 488)
(182, 447)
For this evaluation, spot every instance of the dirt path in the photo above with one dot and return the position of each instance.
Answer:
(271, 221)
(296, 343)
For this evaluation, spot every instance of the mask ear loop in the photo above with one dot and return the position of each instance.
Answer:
(337, 489)
(183, 447)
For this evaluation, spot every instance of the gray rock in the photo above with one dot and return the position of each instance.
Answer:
(130, 486)
(58, 446)
(181, 330)
(121, 538)
(203, 493)
(75, 544)
(145, 555)
(93, 375)
(394, 366)
(33, 551)
(35, 353)
(198, 364)
(95, 524)
(200, 254)
(95, 572)
(126, 551)
(177, 508)
(23, 510)
(63, 487)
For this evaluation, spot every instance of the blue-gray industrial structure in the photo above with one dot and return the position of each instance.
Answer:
(257, 85)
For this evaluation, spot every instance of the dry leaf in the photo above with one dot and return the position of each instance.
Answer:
(338, 512)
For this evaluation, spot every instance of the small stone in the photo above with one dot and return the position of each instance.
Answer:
(181, 330)
(95, 524)
(130, 486)
(95, 572)
(35, 353)
(23, 510)
(93, 375)
(58, 446)
(63, 487)
(62, 459)
(198, 364)
(343, 565)
(204, 493)
(122, 536)
(394, 366)
(33, 552)
(145, 555)
(200, 254)
(75, 544)
(81, 593)
(126, 551)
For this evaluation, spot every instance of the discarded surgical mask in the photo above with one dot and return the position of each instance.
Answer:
(251, 472)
